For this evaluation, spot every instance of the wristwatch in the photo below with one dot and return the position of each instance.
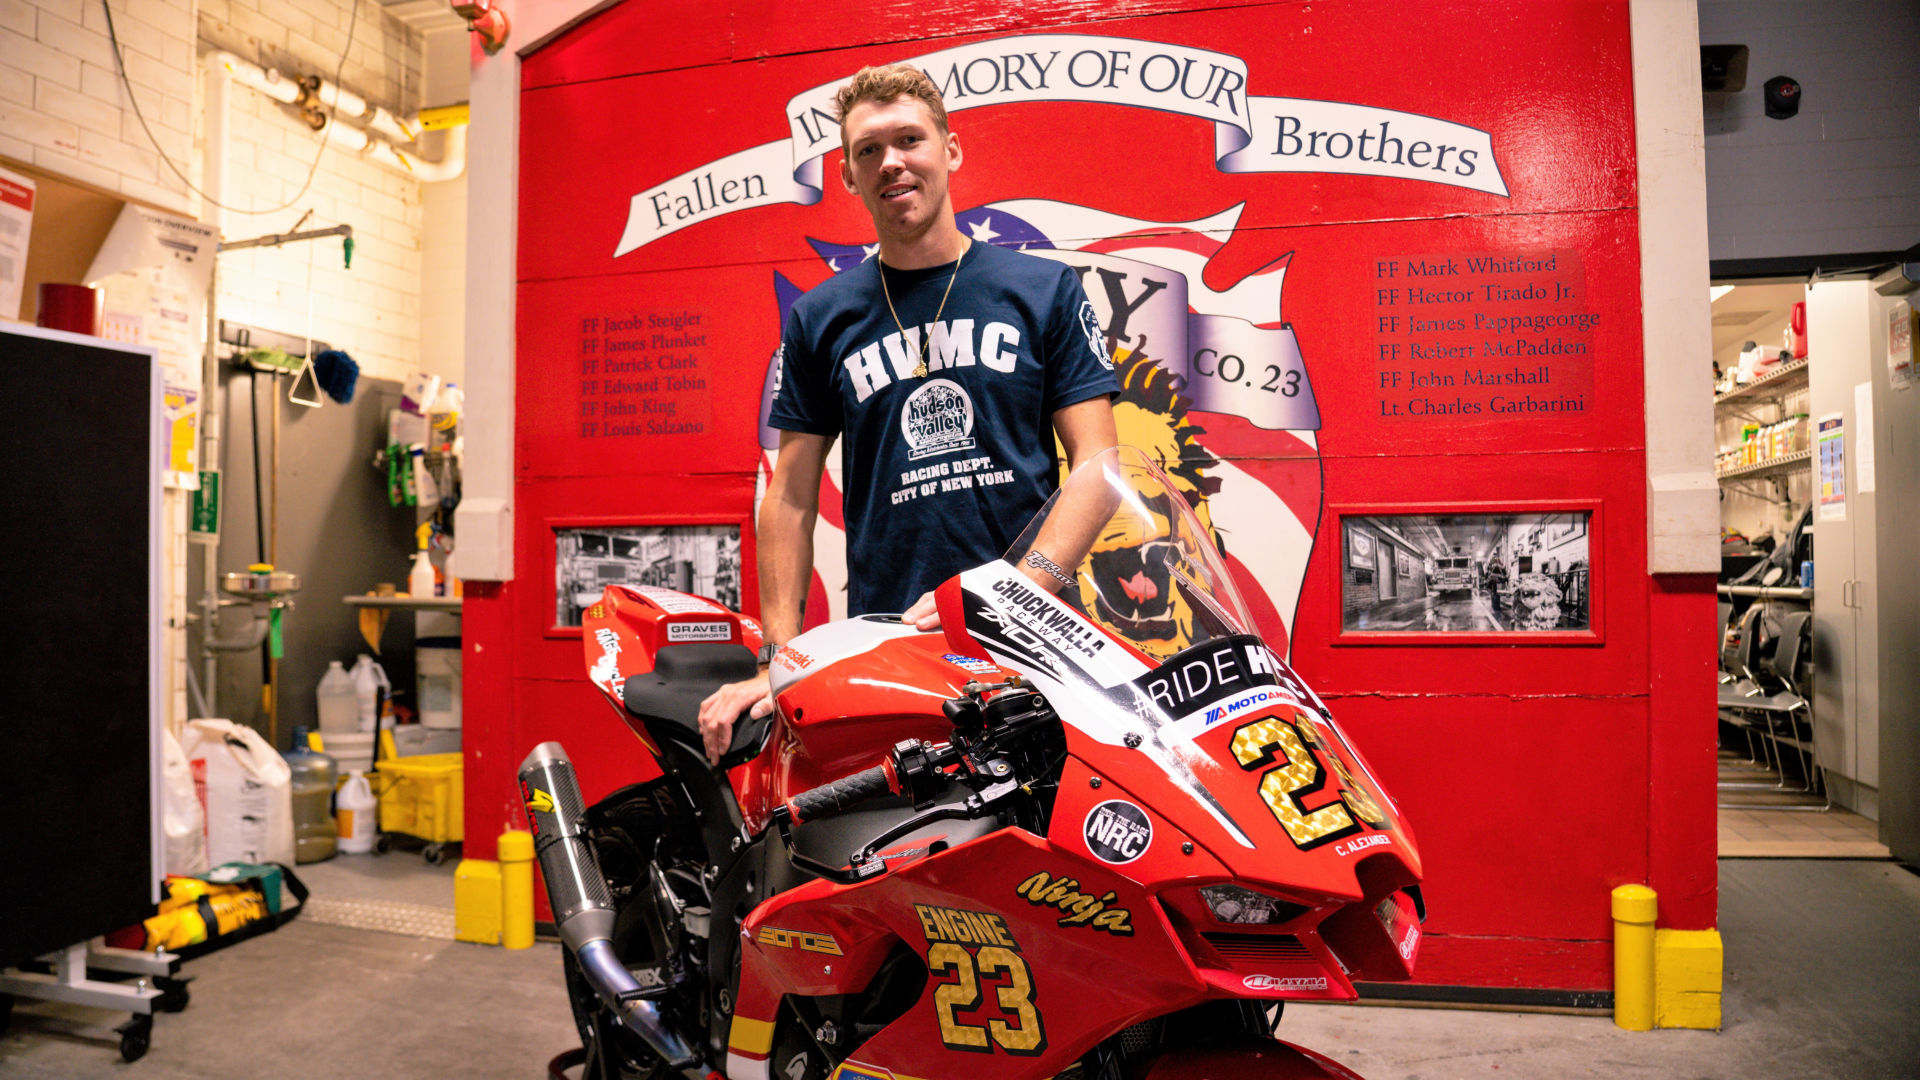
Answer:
(765, 655)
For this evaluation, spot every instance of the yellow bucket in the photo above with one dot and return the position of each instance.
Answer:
(423, 796)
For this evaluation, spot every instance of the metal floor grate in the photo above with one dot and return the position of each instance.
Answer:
(387, 916)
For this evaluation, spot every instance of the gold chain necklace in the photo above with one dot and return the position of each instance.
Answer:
(920, 370)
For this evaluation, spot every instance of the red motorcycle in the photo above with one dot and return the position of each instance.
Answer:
(1093, 828)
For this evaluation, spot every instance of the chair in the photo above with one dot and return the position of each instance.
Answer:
(1779, 707)
(1738, 649)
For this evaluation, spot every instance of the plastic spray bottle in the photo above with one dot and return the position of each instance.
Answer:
(420, 581)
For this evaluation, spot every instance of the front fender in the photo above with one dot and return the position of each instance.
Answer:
(1253, 1059)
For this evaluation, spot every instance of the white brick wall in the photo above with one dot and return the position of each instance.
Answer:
(373, 309)
(61, 103)
(64, 109)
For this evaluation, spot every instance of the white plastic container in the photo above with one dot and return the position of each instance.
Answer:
(339, 709)
(352, 750)
(246, 790)
(437, 667)
(357, 812)
(368, 679)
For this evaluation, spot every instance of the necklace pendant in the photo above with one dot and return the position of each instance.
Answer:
(920, 370)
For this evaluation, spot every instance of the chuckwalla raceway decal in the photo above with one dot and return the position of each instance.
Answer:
(1182, 349)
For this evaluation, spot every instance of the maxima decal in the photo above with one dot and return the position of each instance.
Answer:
(1251, 134)
(971, 663)
(1077, 908)
(699, 631)
(1279, 982)
(1118, 831)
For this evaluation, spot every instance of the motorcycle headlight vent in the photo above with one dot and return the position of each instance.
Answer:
(1240, 905)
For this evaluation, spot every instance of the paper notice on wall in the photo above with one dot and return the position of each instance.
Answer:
(155, 269)
(1830, 435)
(16, 225)
(1863, 437)
(1900, 335)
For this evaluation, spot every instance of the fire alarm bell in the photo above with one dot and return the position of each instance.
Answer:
(1783, 97)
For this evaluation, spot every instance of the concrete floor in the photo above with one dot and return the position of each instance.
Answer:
(1823, 962)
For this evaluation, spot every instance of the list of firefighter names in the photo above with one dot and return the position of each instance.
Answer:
(1495, 336)
(644, 373)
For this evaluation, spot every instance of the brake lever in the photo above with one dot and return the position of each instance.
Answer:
(862, 864)
(972, 807)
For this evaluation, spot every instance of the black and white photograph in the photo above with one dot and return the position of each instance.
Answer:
(700, 559)
(1466, 573)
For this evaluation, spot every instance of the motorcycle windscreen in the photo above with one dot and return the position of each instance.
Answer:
(1150, 649)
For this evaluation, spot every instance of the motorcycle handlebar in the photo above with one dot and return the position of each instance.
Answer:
(843, 794)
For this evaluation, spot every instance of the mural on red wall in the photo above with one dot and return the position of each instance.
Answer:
(1354, 259)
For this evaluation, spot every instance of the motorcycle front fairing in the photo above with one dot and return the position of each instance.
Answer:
(1166, 692)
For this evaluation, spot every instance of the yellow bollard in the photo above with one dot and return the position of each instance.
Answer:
(1635, 908)
(516, 889)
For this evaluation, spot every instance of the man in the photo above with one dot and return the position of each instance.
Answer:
(940, 359)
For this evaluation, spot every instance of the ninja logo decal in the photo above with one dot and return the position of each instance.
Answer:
(1118, 832)
(937, 419)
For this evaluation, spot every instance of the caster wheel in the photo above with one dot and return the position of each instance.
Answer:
(434, 854)
(135, 1036)
(174, 995)
(381, 844)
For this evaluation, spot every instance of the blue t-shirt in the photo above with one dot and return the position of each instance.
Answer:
(940, 472)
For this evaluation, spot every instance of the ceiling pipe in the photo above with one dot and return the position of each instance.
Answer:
(318, 100)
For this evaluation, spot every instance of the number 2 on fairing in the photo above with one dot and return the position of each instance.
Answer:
(1026, 1037)
(1294, 775)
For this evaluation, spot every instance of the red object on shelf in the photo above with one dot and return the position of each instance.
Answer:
(74, 308)
(1797, 323)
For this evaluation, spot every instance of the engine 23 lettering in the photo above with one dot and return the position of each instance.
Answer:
(969, 952)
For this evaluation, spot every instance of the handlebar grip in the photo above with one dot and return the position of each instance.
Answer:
(841, 795)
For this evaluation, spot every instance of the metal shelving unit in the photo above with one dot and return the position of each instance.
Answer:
(1798, 461)
(1773, 386)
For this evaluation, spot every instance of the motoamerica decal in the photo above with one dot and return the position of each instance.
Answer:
(1251, 134)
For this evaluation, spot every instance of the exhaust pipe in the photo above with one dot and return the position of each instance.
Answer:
(582, 907)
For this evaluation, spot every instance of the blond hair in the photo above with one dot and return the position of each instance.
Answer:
(887, 83)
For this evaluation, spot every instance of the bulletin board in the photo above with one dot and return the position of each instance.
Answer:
(80, 719)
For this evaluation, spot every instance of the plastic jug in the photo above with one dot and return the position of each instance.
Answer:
(315, 834)
(369, 680)
(358, 810)
(337, 702)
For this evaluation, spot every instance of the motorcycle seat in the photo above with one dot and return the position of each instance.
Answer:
(668, 698)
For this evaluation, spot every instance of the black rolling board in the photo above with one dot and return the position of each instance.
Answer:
(79, 498)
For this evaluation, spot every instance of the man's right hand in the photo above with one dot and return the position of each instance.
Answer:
(722, 707)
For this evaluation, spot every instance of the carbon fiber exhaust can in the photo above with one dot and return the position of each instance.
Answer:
(582, 906)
